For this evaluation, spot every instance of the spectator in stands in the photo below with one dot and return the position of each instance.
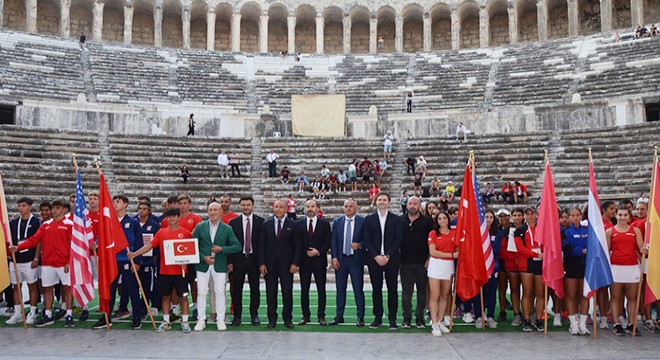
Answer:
(507, 192)
(641, 32)
(519, 190)
(352, 174)
(298, 57)
(325, 172)
(185, 174)
(429, 208)
(324, 187)
(191, 126)
(376, 172)
(373, 194)
(443, 203)
(409, 100)
(435, 187)
(451, 190)
(381, 43)
(223, 161)
(271, 158)
(421, 164)
(233, 163)
(387, 144)
(83, 40)
(382, 166)
(333, 184)
(341, 179)
(291, 208)
(302, 181)
(365, 171)
(417, 182)
(461, 130)
(404, 202)
(284, 175)
(654, 30)
(212, 200)
(410, 165)
(490, 192)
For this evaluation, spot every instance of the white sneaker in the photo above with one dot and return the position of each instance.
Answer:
(154, 311)
(446, 321)
(623, 321)
(602, 323)
(15, 318)
(573, 328)
(556, 321)
(491, 323)
(516, 321)
(200, 326)
(583, 329)
(443, 328)
(435, 330)
(31, 318)
(468, 318)
(222, 326)
(477, 323)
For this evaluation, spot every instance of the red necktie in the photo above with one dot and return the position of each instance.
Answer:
(310, 230)
(279, 228)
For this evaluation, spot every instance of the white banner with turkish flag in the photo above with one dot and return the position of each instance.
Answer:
(181, 251)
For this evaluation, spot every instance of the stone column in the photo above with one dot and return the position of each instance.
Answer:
(573, 18)
(513, 23)
(373, 35)
(347, 34)
(455, 29)
(320, 26)
(637, 12)
(484, 28)
(606, 15)
(291, 33)
(2, 12)
(542, 19)
(65, 18)
(31, 16)
(158, 26)
(428, 41)
(210, 29)
(128, 24)
(263, 33)
(185, 24)
(398, 38)
(97, 27)
(236, 32)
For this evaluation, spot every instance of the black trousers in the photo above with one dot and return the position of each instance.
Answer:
(245, 266)
(235, 166)
(272, 169)
(279, 274)
(390, 273)
(413, 276)
(307, 268)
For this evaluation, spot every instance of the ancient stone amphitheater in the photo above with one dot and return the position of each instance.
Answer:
(525, 76)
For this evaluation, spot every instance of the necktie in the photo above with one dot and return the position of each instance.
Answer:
(349, 237)
(248, 237)
(279, 228)
(310, 230)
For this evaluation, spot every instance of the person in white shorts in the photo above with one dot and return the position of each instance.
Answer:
(442, 251)
(27, 261)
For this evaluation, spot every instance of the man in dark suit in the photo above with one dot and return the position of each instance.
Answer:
(247, 228)
(313, 233)
(382, 232)
(348, 258)
(279, 256)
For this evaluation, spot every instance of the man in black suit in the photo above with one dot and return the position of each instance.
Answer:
(247, 228)
(279, 256)
(382, 233)
(313, 233)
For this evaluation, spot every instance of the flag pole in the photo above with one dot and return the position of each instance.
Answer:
(96, 257)
(545, 287)
(453, 305)
(107, 321)
(481, 291)
(641, 270)
(595, 295)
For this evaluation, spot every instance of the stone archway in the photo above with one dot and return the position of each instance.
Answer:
(306, 29)
(172, 24)
(621, 16)
(557, 19)
(441, 27)
(278, 30)
(48, 17)
(113, 21)
(143, 24)
(13, 17)
(468, 13)
(359, 30)
(528, 25)
(250, 15)
(82, 18)
(589, 16)
(198, 11)
(651, 11)
(223, 18)
(333, 30)
(386, 28)
(498, 22)
(413, 28)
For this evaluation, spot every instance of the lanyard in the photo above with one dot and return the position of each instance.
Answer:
(531, 236)
(18, 229)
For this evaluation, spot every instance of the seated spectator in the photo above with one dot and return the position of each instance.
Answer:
(373, 194)
(641, 32)
(435, 186)
(291, 208)
(417, 182)
(507, 192)
(341, 179)
(302, 181)
(319, 212)
(519, 190)
(421, 163)
(410, 165)
(430, 208)
(490, 192)
(352, 175)
(284, 175)
(376, 173)
(461, 130)
(383, 165)
(451, 190)
(325, 172)
(185, 174)
(324, 187)
(654, 30)
(332, 182)
(316, 187)
(443, 203)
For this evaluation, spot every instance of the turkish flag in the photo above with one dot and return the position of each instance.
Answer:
(184, 247)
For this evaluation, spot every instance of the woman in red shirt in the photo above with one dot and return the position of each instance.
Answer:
(626, 245)
(530, 256)
(510, 258)
(442, 252)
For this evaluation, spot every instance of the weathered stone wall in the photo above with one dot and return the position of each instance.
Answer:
(387, 29)
(113, 24)
(249, 35)
(198, 33)
(48, 18)
(499, 29)
(172, 30)
(333, 42)
(306, 37)
(14, 15)
(621, 17)
(589, 16)
(558, 21)
(413, 36)
(360, 38)
(143, 29)
(81, 20)
(651, 11)
(222, 35)
(277, 36)
(441, 29)
(470, 32)
(528, 26)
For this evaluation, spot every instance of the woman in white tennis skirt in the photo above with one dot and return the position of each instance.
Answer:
(442, 251)
(626, 245)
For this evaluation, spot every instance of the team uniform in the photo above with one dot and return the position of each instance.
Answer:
(129, 285)
(442, 268)
(54, 251)
(149, 269)
(528, 250)
(170, 275)
(21, 230)
(574, 241)
(624, 256)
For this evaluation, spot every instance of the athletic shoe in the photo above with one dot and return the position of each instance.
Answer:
(84, 315)
(573, 328)
(539, 325)
(502, 316)
(584, 330)
(602, 323)
(68, 321)
(419, 323)
(447, 320)
(649, 326)
(101, 324)
(45, 321)
(516, 320)
(9, 312)
(428, 315)
(174, 317)
(477, 323)
(59, 314)
(532, 318)
(623, 321)
(201, 324)
(154, 311)
(15, 318)
(222, 326)
(213, 318)
(458, 313)
(443, 328)
(121, 315)
(617, 329)
(629, 330)
(491, 323)
(556, 321)
(468, 317)
(405, 324)
(590, 321)
(164, 326)
(136, 324)
(527, 326)
(376, 324)
(31, 318)
(435, 330)
(185, 327)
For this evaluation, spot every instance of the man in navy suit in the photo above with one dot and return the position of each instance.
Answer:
(348, 258)
(313, 233)
(279, 256)
(247, 228)
(382, 233)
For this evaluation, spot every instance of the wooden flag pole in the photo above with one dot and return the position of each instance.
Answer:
(545, 287)
(20, 290)
(453, 305)
(483, 313)
(107, 321)
(641, 269)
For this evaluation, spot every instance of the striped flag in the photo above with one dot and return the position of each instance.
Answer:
(485, 235)
(598, 269)
(652, 292)
(5, 237)
(80, 265)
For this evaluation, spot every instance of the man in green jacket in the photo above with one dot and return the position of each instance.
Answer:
(216, 241)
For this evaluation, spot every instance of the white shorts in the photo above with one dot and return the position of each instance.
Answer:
(440, 269)
(625, 273)
(51, 276)
(25, 273)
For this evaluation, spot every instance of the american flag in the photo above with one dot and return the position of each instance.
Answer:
(80, 265)
(485, 231)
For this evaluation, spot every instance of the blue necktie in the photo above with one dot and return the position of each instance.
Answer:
(349, 237)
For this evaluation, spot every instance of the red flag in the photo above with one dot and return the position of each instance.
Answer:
(471, 273)
(184, 247)
(548, 235)
(111, 241)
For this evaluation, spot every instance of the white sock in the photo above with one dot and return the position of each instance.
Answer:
(49, 313)
(447, 318)
(33, 310)
(184, 318)
(69, 312)
(85, 307)
(573, 318)
(166, 318)
(583, 320)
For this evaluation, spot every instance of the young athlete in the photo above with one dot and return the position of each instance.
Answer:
(442, 251)
(511, 262)
(530, 256)
(574, 246)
